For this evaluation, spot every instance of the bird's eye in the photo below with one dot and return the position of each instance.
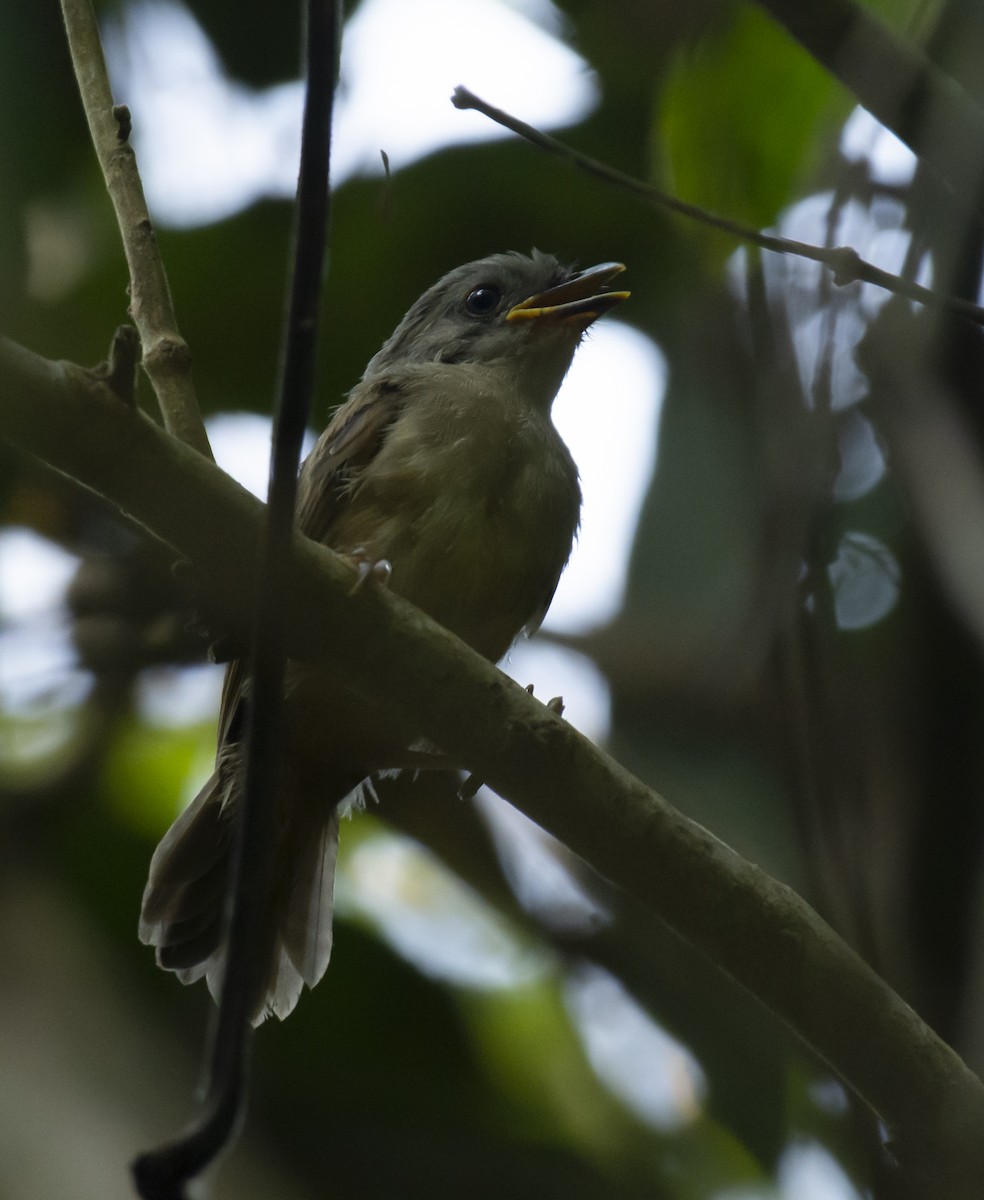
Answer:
(482, 301)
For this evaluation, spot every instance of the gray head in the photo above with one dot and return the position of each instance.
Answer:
(528, 311)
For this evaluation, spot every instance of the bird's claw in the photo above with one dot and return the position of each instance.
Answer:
(555, 704)
(471, 784)
(380, 570)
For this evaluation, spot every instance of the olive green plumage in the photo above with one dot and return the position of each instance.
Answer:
(444, 462)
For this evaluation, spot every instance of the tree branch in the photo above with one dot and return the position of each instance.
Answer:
(166, 357)
(845, 262)
(753, 927)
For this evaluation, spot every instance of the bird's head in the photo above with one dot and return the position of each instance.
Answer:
(520, 313)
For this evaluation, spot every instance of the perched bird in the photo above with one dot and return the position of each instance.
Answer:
(445, 464)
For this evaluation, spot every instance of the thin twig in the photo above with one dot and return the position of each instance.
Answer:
(166, 357)
(845, 263)
(256, 836)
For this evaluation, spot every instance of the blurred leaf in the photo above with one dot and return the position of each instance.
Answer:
(562, 1096)
(38, 745)
(739, 118)
(149, 770)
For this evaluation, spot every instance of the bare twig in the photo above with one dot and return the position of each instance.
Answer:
(845, 263)
(166, 357)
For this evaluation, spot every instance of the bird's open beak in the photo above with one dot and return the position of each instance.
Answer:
(579, 301)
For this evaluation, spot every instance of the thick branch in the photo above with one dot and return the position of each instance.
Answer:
(756, 929)
(166, 357)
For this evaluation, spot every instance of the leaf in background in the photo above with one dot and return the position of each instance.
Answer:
(739, 118)
(149, 769)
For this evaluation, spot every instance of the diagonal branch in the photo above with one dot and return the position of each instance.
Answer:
(166, 357)
(845, 263)
(756, 929)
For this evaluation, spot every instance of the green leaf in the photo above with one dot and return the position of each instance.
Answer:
(148, 769)
(739, 119)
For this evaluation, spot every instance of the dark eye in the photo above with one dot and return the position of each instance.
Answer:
(483, 300)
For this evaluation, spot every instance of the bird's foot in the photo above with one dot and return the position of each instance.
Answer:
(471, 784)
(380, 570)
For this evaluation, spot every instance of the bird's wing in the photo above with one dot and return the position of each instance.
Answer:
(231, 711)
(351, 441)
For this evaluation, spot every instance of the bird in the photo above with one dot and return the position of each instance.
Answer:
(442, 471)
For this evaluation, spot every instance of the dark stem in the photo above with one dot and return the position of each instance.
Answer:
(162, 1173)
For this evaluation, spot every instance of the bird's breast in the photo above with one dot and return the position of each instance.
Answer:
(476, 516)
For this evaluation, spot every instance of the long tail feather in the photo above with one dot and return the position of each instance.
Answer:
(183, 910)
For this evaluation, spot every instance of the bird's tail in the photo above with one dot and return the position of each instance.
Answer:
(183, 912)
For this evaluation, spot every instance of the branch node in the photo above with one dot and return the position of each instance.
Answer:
(846, 265)
(124, 122)
(167, 353)
(119, 370)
